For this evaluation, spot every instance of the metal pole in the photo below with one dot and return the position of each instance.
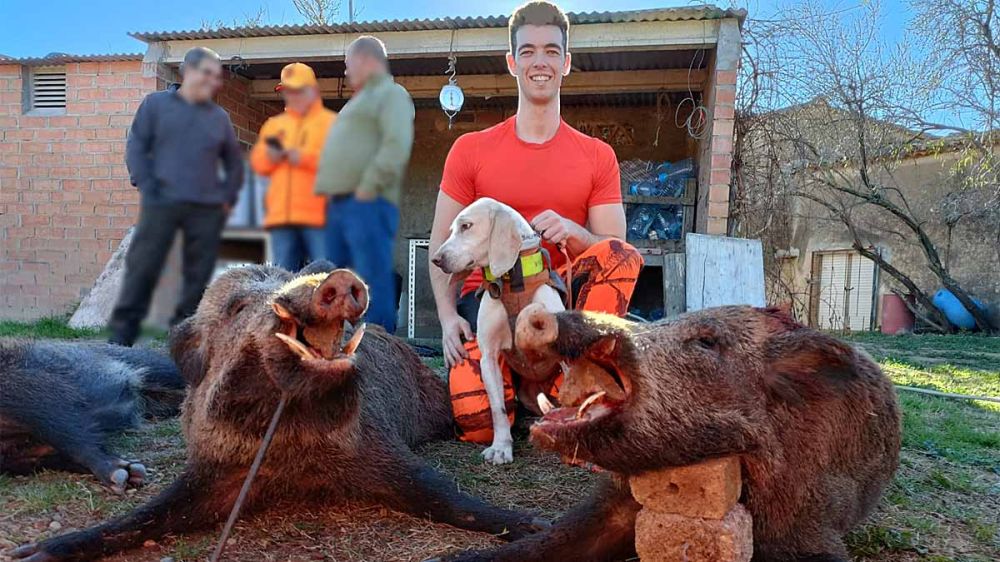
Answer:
(350, 11)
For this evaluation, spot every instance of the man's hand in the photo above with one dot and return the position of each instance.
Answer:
(553, 227)
(294, 156)
(275, 155)
(453, 328)
(364, 196)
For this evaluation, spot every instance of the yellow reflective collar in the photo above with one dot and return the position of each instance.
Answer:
(531, 264)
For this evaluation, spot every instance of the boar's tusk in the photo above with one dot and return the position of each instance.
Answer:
(586, 403)
(543, 403)
(355, 341)
(296, 346)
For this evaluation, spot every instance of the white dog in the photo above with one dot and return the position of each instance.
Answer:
(491, 234)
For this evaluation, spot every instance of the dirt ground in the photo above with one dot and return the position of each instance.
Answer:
(943, 506)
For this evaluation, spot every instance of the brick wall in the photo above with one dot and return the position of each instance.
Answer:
(65, 198)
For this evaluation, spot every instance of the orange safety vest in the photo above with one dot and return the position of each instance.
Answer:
(291, 199)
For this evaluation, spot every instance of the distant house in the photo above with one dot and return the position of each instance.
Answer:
(813, 266)
(67, 202)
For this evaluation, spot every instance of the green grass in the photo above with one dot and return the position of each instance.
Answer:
(55, 328)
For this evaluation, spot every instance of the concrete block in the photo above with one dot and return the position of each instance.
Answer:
(707, 490)
(667, 537)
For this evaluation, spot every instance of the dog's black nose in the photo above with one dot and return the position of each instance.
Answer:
(437, 260)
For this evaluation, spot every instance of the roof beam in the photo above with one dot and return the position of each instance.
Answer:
(416, 44)
(503, 85)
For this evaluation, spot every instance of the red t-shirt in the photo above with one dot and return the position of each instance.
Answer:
(569, 174)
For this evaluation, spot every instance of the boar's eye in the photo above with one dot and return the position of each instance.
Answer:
(235, 305)
(708, 342)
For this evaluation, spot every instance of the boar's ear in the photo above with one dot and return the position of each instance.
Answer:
(185, 348)
(803, 365)
(317, 266)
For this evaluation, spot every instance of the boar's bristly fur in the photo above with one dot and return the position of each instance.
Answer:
(60, 401)
(814, 422)
(346, 434)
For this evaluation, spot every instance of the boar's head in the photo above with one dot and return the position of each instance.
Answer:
(269, 328)
(639, 397)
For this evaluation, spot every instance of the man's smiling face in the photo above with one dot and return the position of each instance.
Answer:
(539, 62)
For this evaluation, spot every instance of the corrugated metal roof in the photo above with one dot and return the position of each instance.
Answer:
(63, 58)
(703, 12)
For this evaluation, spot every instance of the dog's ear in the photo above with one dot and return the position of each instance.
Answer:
(185, 349)
(505, 242)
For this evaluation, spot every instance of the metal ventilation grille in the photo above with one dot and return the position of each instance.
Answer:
(48, 87)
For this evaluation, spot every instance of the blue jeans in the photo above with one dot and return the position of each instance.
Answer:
(295, 246)
(360, 236)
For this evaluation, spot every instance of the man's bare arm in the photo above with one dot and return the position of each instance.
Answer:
(603, 222)
(445, 286)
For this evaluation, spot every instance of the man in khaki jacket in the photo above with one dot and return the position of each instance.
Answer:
(361, 169)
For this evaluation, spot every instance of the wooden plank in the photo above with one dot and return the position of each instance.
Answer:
(722, 271)
(674, 285)
(489, 41)
(504, 85)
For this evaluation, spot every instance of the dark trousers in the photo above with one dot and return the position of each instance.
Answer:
(360, 236)
(201, 228)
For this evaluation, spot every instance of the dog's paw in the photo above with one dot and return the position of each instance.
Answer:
(499, 453)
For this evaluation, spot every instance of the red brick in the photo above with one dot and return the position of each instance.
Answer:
(82, 108)
(107, 80)
(50, 134)
(94, 121)
(35, 220)
(717, 226)
(720, 177)
(35, 197)
(725, 95)
(77, 133)
(80, 159)
(19, 134)
(10, 147)
(35, 147)
(66, 146)
(121, 120)
(76, 80)
(95, 172)
(725, 77)
(89, 219)
(113, 133)
(95, 198)
(110, 106)
(63, 121)
(724, 111)
(110, 210)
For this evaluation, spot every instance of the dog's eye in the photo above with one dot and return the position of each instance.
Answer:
(465, 226)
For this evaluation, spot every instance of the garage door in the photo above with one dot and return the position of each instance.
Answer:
(846, 290)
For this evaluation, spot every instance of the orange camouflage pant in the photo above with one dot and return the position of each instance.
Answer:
(606, 274)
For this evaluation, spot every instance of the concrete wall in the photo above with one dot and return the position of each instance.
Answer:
(973, 254)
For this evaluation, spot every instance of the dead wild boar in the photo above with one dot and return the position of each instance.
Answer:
(60, 401)
(814, 422)
(354, 412)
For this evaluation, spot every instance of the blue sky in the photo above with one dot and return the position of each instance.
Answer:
(39, 27)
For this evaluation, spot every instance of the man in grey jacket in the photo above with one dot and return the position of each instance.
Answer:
(177, 142)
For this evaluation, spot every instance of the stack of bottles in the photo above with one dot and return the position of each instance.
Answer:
(658, 221)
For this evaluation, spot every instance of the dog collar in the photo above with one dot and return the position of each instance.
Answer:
(532, 263)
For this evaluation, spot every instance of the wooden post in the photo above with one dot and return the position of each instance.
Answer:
(691, 514)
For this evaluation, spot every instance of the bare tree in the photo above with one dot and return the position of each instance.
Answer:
(256, 18)
(835, 158)
(318, 12)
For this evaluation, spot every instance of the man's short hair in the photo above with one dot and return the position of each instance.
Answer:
(538, 13)
(371, 46)
(196, 55)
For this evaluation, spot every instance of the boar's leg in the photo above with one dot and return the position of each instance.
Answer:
(195, 500)
(73, 432)
(422, 491)
(601, 529)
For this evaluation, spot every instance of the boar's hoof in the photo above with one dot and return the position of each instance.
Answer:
(536, 328)
(127, 475)
(32, 553)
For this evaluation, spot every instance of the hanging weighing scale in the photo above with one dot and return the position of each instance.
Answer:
(451, 97)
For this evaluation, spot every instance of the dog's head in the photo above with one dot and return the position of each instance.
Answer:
(486, 233)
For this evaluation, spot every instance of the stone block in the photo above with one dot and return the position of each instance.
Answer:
(706, 490)
(667, 537)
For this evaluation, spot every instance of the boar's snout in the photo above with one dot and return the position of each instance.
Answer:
(536, 328)
(341, 296)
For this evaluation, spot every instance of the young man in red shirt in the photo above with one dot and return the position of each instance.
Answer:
(565, 183)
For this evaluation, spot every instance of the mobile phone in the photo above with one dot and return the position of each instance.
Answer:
(274, 142)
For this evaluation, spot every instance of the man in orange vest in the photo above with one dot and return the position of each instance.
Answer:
(287, 151)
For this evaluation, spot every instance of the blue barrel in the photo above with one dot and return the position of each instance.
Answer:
(953, 310)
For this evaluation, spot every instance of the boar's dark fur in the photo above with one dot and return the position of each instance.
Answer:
(814, 422)
(60, 401)
(346, 433)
